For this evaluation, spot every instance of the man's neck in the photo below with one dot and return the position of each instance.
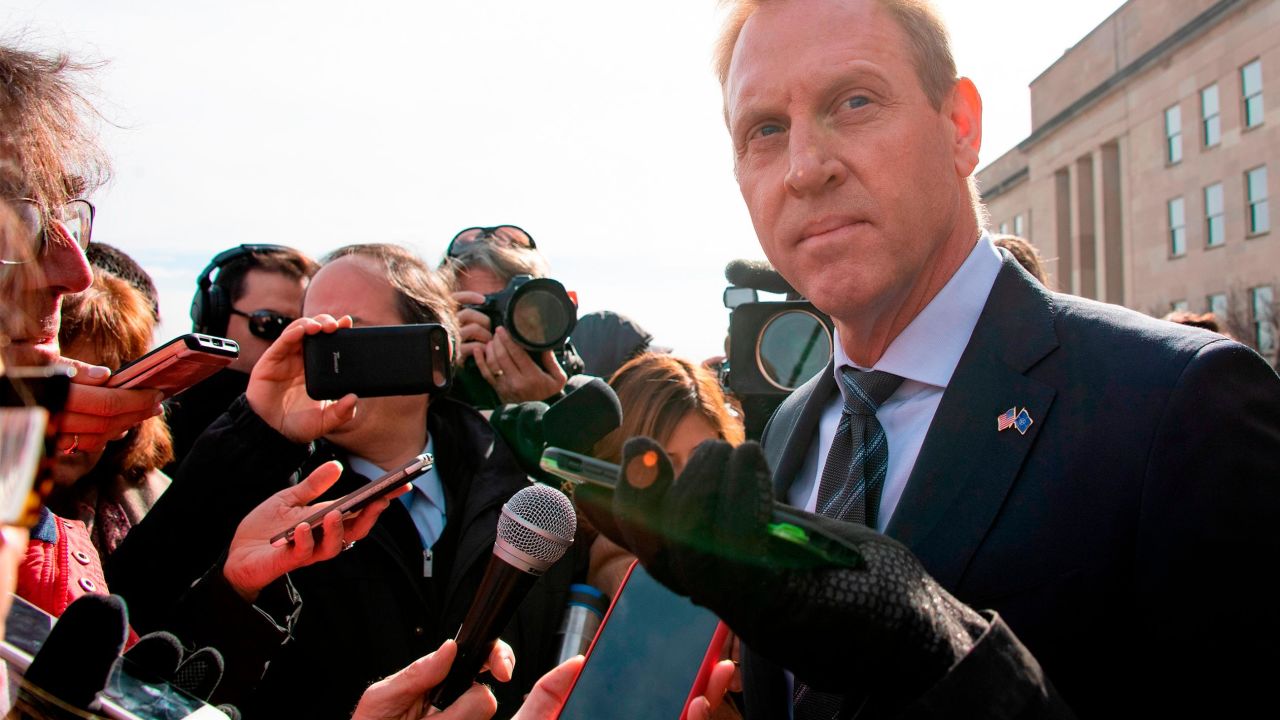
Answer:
(867, 334)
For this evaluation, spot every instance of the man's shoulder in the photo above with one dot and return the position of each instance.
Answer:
(1129, 343)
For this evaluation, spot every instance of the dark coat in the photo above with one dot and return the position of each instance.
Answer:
(1122, 536)
(368, 612)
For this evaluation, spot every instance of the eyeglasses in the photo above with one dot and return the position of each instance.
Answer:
(75, 219)
(503, 235)
(265, 324)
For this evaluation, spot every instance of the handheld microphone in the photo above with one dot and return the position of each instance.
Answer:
(199, 674)
(582, 618)
(534, 531)
(757, 275)
(76, 660)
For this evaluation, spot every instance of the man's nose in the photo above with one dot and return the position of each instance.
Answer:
(813, 167)
(63, 263)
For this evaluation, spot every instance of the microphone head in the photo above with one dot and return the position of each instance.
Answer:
(200, 674)
(535, 529)
(77, 657)
(758, 275)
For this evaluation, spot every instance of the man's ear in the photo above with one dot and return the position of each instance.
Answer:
(965, 111)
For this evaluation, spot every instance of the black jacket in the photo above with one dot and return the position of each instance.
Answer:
(370, 611)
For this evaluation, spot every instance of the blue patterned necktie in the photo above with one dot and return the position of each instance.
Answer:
(859, 457)
(850, 487)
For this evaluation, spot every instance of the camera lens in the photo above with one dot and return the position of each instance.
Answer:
(541, 315)
(793, 346)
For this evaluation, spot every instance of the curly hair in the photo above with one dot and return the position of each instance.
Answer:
(49, 148)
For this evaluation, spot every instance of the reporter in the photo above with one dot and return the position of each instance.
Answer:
(480, 262)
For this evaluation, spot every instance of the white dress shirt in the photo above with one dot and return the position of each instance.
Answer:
(925, 354)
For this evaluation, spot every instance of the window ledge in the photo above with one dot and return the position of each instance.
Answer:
(1262, 233)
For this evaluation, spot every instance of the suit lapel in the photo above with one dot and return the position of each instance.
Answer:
(797, 418)
(966, 466)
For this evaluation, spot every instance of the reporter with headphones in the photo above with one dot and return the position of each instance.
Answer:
(250, 294)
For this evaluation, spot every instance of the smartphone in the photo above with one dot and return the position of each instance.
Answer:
(652, 655)
(177, 364)
(579, 468)
(377, 361)
(354, 501)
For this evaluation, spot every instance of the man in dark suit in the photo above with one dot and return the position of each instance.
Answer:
(1103, 481)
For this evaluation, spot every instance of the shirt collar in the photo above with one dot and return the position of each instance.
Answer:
(428, 483)
(929, 348)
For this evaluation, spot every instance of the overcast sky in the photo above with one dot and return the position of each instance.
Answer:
(594, 125)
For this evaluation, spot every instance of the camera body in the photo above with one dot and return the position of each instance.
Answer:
(538, 312)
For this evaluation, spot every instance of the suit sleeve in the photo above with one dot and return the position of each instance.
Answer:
(1207, 540)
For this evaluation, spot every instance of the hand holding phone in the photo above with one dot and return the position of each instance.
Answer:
(253, 561)
(354, 501)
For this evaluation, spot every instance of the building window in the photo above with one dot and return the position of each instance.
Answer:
(1210, 121)
(1173, 134)
(1251, 89)
(1255, 191)
(1179, 306)
(1217, 304)
(1215, 233)
(1264, 322)
(1177, 227)
(1019, 226)
(1004, 228)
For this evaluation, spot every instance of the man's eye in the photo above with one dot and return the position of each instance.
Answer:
(857, 101)
(767, 130)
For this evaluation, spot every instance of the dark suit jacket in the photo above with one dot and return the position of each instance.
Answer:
(1126, 536)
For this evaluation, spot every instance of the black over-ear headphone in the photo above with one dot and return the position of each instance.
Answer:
(211, 307)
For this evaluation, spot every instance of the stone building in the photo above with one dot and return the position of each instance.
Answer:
(1147, 178)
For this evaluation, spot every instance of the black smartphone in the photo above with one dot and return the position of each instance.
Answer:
(177, 364)
(30, 400)
(650, 674)
(377, 361)
(355, 500)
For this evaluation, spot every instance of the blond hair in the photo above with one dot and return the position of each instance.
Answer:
(919, 20)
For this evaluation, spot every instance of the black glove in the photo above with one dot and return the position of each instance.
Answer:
(885, 626)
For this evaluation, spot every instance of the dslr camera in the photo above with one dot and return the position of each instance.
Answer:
(538, 312)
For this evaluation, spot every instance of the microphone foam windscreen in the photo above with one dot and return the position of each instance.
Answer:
(537, 526)
(77, 657)
(155, 657)
(757, 274)
(580, 419)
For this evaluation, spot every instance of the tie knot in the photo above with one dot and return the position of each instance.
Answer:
(867, 389)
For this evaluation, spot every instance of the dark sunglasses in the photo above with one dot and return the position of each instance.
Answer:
(75, 219)
(503, 235)
(265, 324)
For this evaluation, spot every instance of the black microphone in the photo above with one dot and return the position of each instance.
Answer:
(155, 657)
(576, 422)
(75, 662)
(534, 531)
(758, 275)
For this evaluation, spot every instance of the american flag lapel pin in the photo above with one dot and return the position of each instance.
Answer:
(1013, 418)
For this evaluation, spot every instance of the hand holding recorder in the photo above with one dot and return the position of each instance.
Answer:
(254, 561)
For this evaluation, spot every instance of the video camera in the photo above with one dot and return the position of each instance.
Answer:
(774, 347)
